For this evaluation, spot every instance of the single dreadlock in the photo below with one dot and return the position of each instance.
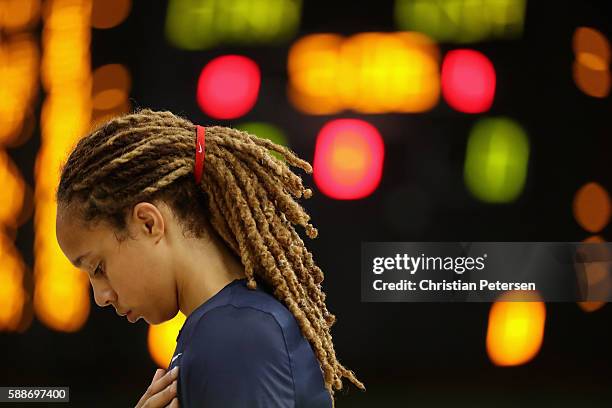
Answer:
(245, 193)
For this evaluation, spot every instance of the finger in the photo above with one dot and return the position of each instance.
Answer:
(158, 373)
(173, 404)
(153, 388)
(163, 398)
(163, 382)
(141, 402)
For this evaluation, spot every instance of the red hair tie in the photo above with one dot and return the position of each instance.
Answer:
(199, 153)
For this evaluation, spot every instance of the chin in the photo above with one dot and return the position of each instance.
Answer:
(153, 321)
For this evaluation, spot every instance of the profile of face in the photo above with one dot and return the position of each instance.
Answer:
(134, 275)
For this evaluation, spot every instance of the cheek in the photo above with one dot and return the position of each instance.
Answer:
(129, 277)
(148, 283)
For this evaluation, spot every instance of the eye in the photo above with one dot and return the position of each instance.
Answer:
(98, 270)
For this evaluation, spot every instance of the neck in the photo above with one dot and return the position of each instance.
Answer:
(208, 266)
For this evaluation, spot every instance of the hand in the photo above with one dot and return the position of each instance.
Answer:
(162, 391)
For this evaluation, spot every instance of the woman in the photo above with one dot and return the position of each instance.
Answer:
(165, 215)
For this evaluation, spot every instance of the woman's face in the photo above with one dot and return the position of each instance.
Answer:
(135, 275)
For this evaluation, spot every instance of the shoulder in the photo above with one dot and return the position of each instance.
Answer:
(265, 302)
(237, 338)
(227, 324)
(242, 349)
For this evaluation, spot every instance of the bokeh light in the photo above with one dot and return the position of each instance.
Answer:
(462, 21)
(111, 86)
(65, 116)
(367, 72)
(515, 331)
(12, 293)
(19, 15)
(496, 160)
(348, 159)
(266, 131)
(468, 81)
(201, 24)
(592, 60)
(12, 194)
(161, 339)
(19, 64)
(110, 92)
(596, 278)
(591, 207)
(591, 305)
(228, 86)
(109, 13)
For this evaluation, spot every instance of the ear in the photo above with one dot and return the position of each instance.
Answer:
(148, 220)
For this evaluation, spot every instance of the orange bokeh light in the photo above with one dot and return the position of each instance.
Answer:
(515, 331)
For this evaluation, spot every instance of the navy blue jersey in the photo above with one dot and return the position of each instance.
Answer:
(243, 348)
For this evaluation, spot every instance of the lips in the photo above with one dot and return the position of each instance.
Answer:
(131, 317)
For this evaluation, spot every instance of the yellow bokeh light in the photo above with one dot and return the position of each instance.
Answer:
(312, 66)
(67, 15)
(65, 65)
(19, 14)
(12, 192)
(515, 331)
(61, 293)
(19, 61)
(12, 293)
(65, 115)
(162, 339)
(61, 299)
(367, 72)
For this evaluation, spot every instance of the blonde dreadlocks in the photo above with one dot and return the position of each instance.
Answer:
(245, 193)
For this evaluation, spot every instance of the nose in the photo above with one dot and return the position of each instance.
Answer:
(103, 294)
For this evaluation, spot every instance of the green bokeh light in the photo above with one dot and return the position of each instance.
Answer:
(203, 24)
(266, 131)
(462, 21)
(496, 160)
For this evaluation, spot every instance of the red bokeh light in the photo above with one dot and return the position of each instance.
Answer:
(348, 159)
(228, 86)
(468, 81)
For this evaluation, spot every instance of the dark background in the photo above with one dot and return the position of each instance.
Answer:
(407, 354)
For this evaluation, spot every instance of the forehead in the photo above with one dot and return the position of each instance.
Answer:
(75, 238)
